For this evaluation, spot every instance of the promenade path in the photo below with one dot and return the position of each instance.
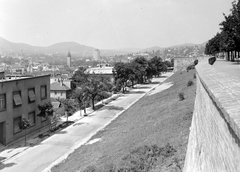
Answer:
(232, 68)
(56, 148)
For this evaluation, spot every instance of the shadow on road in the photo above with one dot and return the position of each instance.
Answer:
(163, 76)
(61, 132)
(2, 165)
(235, 63)
(156, 82)
(136, 92)
(142, 88)
(112, 108)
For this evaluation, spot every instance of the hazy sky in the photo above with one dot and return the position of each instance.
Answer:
(108, 24)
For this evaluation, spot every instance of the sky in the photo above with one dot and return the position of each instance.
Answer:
(111, 24)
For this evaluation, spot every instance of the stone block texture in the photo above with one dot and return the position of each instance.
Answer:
(214, 144)
(181, 63)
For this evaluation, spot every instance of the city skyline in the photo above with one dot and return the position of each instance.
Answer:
(106, 24)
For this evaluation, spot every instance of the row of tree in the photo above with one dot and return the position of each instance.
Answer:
(90, 87)
(228, 39)
(139, 70)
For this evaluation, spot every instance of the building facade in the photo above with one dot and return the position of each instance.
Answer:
(102, 72)
(69, 59)
(59, 90)
(96, 55)
(19, 98)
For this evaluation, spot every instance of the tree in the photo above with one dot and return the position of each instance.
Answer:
(46, 110)
(70, 106)
(80, 97)
(141, 67)
(24, 124)
(120, 74)
(228, 40)
(91, 84)
(94, 87)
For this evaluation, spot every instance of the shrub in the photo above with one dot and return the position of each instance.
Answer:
(190, 82)
(91, 168)
(195, 62)
(194, 75)
(144, 158)
(190, 67)
(181, 96)
(140, 159)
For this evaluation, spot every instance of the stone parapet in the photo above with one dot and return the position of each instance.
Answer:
(214, 140)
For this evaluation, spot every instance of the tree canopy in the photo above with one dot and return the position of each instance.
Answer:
(89, 86)
(228, 39)
(138, 70)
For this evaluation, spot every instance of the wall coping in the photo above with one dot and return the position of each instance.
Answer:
(224, 90)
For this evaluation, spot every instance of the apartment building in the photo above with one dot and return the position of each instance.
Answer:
(19, 98)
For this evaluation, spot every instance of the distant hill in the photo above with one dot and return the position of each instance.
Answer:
(155, 48)
(75, 48)
(62, 48)
(183, 45)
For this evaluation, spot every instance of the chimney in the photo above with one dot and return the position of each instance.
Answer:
(61, 82)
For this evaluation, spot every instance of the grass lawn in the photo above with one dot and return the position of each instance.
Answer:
(156, 119)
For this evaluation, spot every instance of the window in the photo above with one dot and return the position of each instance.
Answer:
(2, 102)
(31, 95)
(61, 93)
(31, 118)
(16, 122)
(43, 92)
(17, 100)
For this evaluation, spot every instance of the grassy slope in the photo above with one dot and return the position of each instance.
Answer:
(157, 119)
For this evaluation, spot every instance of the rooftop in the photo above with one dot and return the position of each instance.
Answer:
(98, 70)
(9, 78)
(58, 86)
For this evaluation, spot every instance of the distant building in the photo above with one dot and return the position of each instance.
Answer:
(17, 69)
(96, 55)
(69, 59)
(102, 71)
(59, 90)
(19, 98)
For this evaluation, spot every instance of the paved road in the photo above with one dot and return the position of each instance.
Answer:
(56, 148)
(232, 68)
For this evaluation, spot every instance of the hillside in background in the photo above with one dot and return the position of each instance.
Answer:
(78, 49)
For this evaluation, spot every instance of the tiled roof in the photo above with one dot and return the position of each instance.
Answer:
(56, 86)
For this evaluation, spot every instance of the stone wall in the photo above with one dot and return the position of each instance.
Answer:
(214, 143)
(181, 63)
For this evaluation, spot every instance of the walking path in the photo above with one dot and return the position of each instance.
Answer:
(56, 148)
(232, 68)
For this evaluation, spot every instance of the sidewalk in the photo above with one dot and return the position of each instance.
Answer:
(19, 146)
(56, 148)
(231, 68)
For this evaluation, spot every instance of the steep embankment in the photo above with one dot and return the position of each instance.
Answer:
(156, 119)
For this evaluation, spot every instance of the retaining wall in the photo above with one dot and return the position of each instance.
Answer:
(181, 63)
(214, 140)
